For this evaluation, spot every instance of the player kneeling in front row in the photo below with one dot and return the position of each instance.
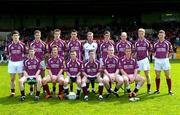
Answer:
(111, 72)
(91, 72)
(32, 70)
(55, 69)
(129, 68)
(73, 68)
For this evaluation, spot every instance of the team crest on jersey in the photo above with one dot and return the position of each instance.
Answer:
(12, 47)
(19, 47)
(114, 61)
(57, 61)
(51, 61)
(131, 62)
(34, 62)
(28, 63)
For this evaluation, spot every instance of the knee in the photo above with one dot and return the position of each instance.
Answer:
(44, 81)
(61, 81)
(142, 79)
(120, 80)
(79, 82)
(126, 79)
(66, 81)
(20, 81)
(105, 80)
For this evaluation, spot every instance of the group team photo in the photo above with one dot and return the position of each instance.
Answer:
(109, 64)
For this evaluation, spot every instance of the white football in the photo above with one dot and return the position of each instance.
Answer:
(71, 96)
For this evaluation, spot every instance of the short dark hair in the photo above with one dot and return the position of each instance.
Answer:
(57, 30)
(106, 32)
(37, 31)
(91, 51)
(127, 48)
(54, 46)
(14, 32)
(74, 30)
(72, 51)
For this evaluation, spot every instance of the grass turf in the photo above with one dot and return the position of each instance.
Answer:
(161, 104)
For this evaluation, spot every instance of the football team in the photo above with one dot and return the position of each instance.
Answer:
(85, 64)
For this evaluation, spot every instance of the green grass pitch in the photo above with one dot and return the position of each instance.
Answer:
(161, 104)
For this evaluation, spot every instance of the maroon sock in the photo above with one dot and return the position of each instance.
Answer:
(31, 88)
(22, 93)
(157, 84)
(37, 93)
(169, 84)
(46, 87)
(110, 85)
(60, 89)
(85, 91)
(148, 87)
(100, 90)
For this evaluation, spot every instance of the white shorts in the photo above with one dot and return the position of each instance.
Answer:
(143, 64)
(43, 65)
(161, 64)
(15, 67)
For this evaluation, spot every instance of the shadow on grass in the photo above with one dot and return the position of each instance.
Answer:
(93, 99)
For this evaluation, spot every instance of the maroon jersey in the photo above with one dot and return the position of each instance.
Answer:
(162, 49)
(75, 45)
(74, 67)
(31, 66)
(61, 46)
(111, 64)
(16, 52)
(40, 49)
(55, 65)
(91, 68)
(128, 65)
(103, 48)
(142, 48)
(121, 46)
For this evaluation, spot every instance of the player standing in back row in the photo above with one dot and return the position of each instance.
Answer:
(15, 52)
(162, 50)
(141, 52)
(40, 51)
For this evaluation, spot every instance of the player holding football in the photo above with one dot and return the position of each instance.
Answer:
(129, 69)
(90, 45)
(55, 68)
(61, 48)
(162, 51)
(141, 52)
(73, 69)
(32, 69)
(111, 72)
(91, 71)
(122, 45)
(15, 52)
(40, 51)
